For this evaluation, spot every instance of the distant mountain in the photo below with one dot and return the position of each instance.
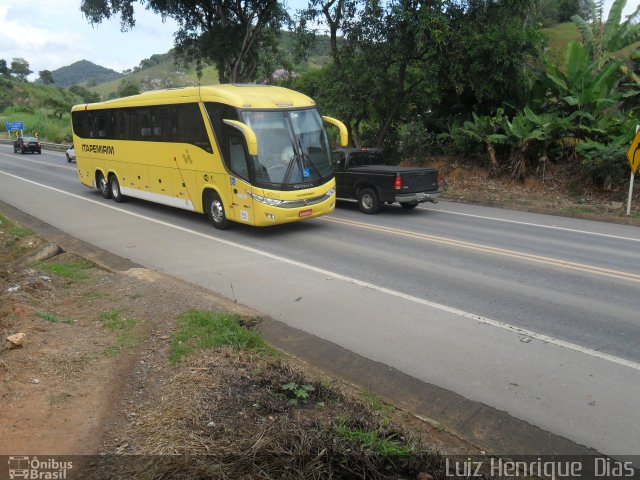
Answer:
(82, 72)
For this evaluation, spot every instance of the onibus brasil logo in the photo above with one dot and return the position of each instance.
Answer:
(33, 468)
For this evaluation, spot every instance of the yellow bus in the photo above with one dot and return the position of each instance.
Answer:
(252, 154)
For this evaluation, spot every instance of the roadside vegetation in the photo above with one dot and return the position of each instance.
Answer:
(512, 87)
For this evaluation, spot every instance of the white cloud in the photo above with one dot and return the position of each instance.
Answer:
(57, 34)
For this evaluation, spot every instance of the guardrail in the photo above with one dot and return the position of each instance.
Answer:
(56, 147)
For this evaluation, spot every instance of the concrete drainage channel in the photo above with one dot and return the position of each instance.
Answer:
(496, 432)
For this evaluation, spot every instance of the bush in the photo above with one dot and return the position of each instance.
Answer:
(607, 163)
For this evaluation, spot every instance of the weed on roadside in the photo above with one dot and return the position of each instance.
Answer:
(71, 270)
(50, 317)
(208, 329)
(373, 441)
(96, 295)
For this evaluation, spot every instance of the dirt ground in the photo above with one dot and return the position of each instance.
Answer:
(93, 377)
(559, 190)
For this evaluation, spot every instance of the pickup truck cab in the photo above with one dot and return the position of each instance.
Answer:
(361, 175)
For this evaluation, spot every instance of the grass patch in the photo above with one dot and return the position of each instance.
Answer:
(70, 270)
(374, 403)
(95, 295)
(50, 317)
(207, 329)
(127, 337)
(373, 441)
(377, 405)
(113, 320)
(18, 231)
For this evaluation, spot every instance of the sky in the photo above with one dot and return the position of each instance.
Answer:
(50, 34)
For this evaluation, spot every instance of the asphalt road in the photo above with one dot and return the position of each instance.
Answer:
(535, 315)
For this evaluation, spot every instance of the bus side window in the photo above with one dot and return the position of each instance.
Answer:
(145, 124)
(237, 154)
(217, 112)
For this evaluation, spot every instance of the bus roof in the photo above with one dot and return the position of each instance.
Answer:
(235, 95)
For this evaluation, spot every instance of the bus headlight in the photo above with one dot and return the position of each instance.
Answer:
(272, 202)
(331, 192)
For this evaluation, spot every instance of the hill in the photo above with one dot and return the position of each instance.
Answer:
(162, 71)
(559, 36)
(42, 108)
(82, 72)
(158, 71)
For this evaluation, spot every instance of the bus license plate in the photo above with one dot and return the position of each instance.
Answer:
(305, 213)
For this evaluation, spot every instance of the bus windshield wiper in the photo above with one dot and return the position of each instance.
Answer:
(288, 172)
(306, 158)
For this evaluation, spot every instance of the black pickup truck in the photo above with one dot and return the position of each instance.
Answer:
(361, 174)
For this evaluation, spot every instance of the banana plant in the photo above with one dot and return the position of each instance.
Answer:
(486, 129)
(583, 86)
(602, 37)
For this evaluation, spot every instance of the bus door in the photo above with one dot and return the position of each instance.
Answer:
(240, 188)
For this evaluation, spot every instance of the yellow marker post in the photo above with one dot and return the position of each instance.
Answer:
(633, 155)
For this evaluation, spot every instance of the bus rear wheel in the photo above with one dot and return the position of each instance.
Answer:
(103, 186)
(114, 186)
(215, 211)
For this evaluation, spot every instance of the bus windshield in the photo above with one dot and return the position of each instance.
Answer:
(292, 146)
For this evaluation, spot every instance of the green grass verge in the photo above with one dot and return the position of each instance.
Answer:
(70, 270)
(18, 231)
(207, 329)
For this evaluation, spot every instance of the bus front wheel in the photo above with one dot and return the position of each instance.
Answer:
(215, 211)
(103, 186)
(114, 186)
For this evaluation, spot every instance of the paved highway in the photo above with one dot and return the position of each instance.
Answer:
(531, 314)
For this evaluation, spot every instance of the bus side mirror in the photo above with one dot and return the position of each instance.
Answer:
(249, 135)
(344, 133)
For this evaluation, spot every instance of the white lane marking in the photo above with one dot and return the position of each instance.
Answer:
(455, 311)
(450, 242)
(40, 162)
(550, 227)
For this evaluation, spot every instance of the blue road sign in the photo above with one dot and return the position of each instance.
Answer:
(15, 126)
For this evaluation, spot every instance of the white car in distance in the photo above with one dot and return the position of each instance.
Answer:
(71, 154)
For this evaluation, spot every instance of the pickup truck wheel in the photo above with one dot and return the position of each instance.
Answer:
(368, 201)
(408, 205)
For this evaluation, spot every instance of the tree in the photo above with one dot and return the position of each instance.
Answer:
(484, 61)
(20, 68)
(4, 69)
(128, 89)
(86, 95)
(46, 77)
(230, 34)
(332, 13)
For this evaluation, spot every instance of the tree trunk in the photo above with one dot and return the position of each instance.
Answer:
(493, 161)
